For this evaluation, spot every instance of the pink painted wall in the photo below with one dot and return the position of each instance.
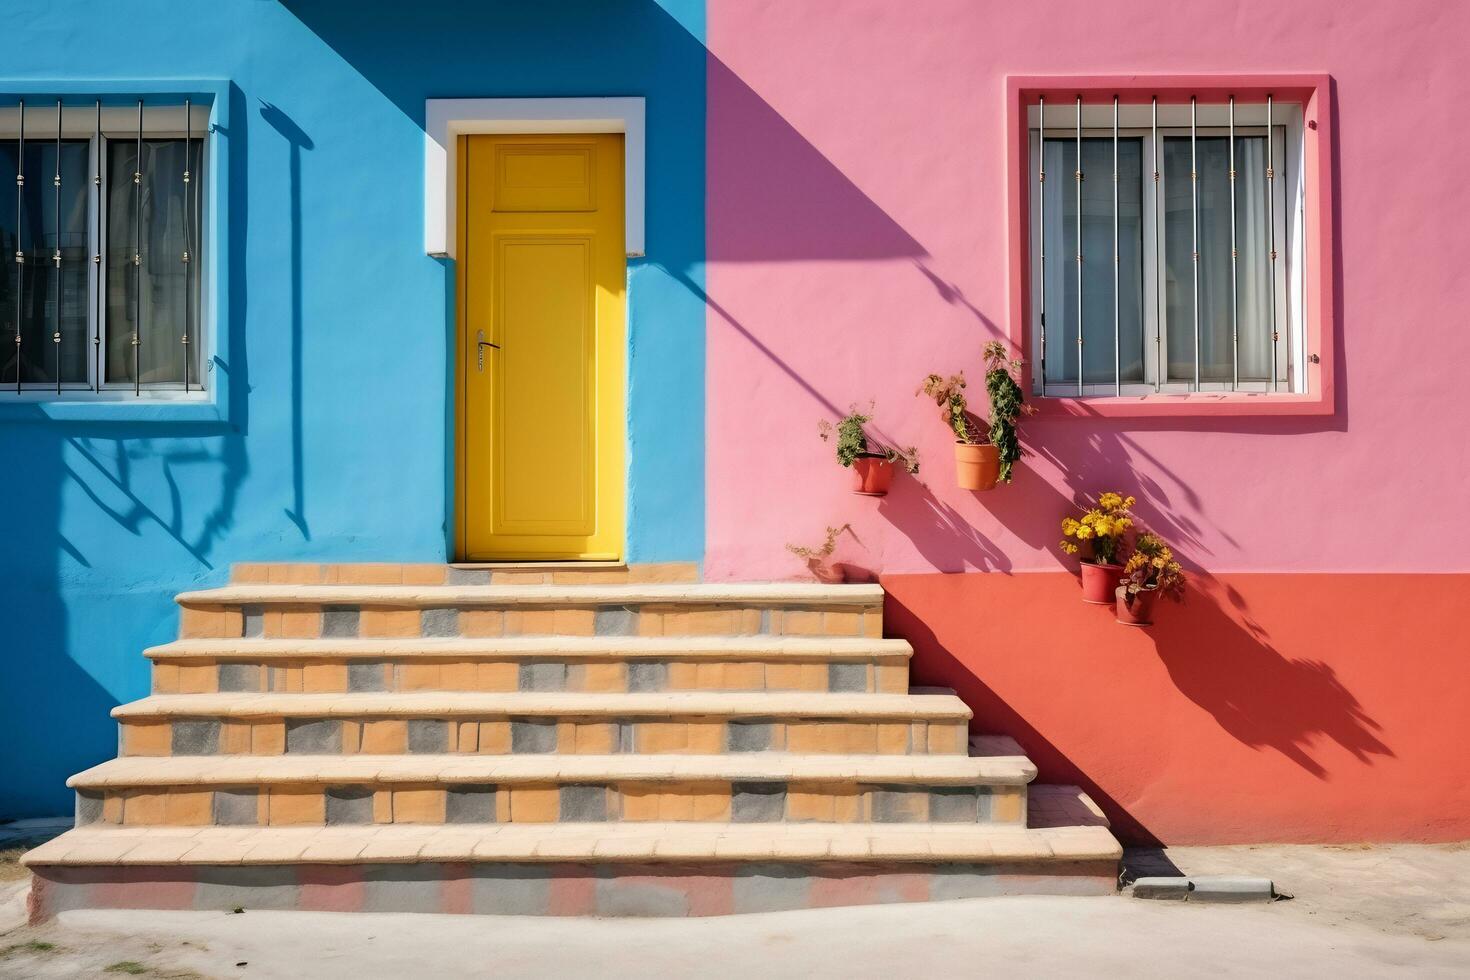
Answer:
(857, 240)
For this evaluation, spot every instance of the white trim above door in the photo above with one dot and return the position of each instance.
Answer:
(447, 119)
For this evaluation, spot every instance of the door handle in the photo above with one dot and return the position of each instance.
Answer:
(480, 344)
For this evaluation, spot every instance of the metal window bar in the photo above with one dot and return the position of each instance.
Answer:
(97, 243)
(198, 269)
(1158, 258)
(188, 240)
(1271, 232)
(56, 182)
(1041, 195)
(1194, 216)
(1078, 175)
(138, 259)
(1117, 308)
(20, 255)
(1234, 254)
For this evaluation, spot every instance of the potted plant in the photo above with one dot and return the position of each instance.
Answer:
(816, 558)
(984, 454)
(1151, 572)
(872, 463)
(1101, 529)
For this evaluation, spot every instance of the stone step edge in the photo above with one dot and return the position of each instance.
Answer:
(716, 648)
(562, 842)
(862, 707)
(762, 594)
(137, 771)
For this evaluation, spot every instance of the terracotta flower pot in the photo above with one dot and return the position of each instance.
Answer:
(823, 572)
(871, 475)
(1099, 582)
(1140, 612)
(976, 467)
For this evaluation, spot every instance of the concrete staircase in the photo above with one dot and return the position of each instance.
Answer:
(557, 740)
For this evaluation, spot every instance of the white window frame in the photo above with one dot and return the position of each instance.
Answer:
(1289, 220)
(119, 123)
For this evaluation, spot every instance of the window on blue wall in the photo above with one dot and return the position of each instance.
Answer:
(103, 261)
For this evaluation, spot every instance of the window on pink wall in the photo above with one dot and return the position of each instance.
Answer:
(1171, 244)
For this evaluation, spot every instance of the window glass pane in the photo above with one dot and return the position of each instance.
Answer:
(1252, 264)
(39, 235)
(158, 208)
(1097, 260)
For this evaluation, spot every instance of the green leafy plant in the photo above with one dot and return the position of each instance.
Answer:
(1007, 405)
(949, 394)
(853, 443)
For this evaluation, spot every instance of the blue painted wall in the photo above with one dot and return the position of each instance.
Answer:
(338, 435)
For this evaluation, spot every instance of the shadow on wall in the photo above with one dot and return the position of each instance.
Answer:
(1222, 659)
(109, 519)
(1087, 693)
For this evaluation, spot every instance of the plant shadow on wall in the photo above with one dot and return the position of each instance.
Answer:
(1222, 659)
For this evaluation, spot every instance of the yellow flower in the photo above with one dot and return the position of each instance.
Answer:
(1159, 563)
(1069, 526)
(1069, 547)
(1084, 532)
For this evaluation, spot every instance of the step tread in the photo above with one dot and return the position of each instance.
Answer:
(761, 704)
(982, 745)
(1059, 805)
(753, 766)
(585, 647)
(768, 593)
(644, 842)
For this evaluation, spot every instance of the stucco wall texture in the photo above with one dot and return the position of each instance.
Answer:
(857, 240)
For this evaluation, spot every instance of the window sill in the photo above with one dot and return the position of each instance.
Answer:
(106, 410)
(1196, 404)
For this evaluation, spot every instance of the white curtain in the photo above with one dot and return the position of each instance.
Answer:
(163, 209)
(1060, 233)
(1253, 279)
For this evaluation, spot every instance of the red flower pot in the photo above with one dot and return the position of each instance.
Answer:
(823, 572)
(1099, 582)
(976, 467)
(872, 475)
(1139, 612)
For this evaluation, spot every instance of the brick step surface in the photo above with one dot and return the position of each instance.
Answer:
(605, 664)
(652, 869)
(372, 790)
(536, 722)
(305, 611)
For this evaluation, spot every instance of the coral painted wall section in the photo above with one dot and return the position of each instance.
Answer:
(1268, 707)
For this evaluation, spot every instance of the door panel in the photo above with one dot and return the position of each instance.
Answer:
(541, 414)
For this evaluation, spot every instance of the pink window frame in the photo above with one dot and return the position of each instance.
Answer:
(1313, 91)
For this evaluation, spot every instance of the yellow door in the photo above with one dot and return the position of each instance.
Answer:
(541, 281)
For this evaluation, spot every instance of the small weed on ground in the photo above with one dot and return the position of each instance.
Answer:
(130, 967)
(34, 946)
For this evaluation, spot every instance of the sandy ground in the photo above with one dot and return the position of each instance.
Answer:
(1357, 912)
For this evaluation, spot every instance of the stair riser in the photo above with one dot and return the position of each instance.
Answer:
(634, 801)
(643, 889)
(501, 736)
(504, 675)
(309, 621)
